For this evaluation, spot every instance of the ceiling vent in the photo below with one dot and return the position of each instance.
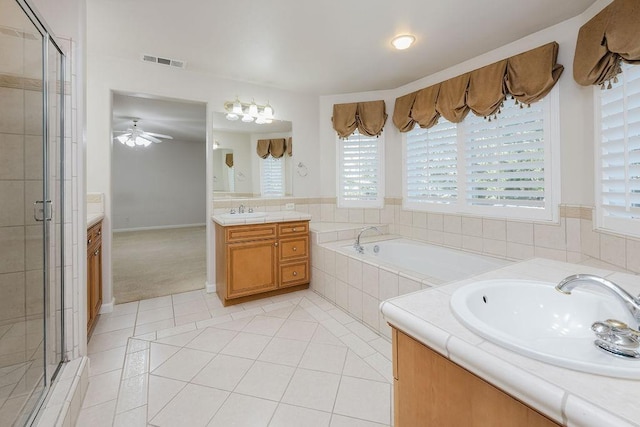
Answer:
(164, 61)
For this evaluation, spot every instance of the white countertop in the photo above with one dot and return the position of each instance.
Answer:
(276, 216)
(93, 218)
(569, 397)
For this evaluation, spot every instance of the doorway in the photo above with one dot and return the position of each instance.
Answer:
(159, 197)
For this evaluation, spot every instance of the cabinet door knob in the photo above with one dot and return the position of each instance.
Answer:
(294, 229)
(295, 273)
(275, 244)
(295, 249)
(89, 242)
(99, 232)
(96, 253)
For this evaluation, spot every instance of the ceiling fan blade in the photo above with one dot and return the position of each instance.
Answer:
(149, 137)
(159, 135)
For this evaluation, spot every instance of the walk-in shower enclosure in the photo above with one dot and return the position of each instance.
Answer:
(32, 211)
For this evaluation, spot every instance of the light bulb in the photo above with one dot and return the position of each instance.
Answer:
(253, 109)
(232, 116)
(403, 41)
(268, 111)
(122, 139)
(140, 141)
(247, 118)
(237, 107)
(131, 143)
(261, 120)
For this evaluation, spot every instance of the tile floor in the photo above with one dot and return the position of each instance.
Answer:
(185, 360)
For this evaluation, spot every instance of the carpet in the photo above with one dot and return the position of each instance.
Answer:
(154, 263)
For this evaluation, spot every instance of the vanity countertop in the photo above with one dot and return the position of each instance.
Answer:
(569, 397)
(94, 218)
(276, 216)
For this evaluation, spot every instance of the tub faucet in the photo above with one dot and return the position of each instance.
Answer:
(632, 303)
(357, 246)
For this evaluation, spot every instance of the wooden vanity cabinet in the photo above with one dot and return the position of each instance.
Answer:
(94, 275)
(431, 390)
(259, 260)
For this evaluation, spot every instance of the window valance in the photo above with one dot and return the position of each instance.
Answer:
(368, 117)
(609, 37)
(228, 159)
(274, 147)
(528, 77)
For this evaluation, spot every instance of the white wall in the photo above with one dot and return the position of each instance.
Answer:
(576, 115)
(159, 186)
(240, 143)
(107, 74)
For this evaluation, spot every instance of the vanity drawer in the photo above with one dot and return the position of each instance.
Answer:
(294, 273)
(242, 233)
(294, 248)
(286, 229)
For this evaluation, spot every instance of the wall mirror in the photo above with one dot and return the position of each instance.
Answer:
(238, 171)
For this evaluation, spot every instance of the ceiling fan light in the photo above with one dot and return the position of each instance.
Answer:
(130, 143)
(237, 107)
(232, 116)
(122, 139)
(247, 118)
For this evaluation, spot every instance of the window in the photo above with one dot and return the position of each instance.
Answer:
(360, 171)
(618, 154)
(501, 167)
(272, 177)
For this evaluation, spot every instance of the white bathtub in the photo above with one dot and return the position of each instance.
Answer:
(438, 262)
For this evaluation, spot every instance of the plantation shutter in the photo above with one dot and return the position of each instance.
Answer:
(432, 164)
(505, 158)
(620, 146)
(360, 169)
(272, 177)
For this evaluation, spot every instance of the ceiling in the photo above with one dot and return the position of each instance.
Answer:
(321, 47)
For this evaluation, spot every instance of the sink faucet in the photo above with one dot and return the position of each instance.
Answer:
(633, 303)
(241, 209)
(357, 246)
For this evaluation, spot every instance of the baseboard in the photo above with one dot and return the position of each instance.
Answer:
(159, 227)
(107, 307)
(210, 287)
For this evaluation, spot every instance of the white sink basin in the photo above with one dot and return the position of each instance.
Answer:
(533, 319)
(245, 215)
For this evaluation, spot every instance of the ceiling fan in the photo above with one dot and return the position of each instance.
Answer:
(136, 136)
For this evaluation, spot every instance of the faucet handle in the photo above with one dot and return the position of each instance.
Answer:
(232, 211)
(250, 210)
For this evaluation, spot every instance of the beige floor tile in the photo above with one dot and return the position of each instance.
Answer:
(194, 406)
(266, 380)
(161, 391)
(105, 361)
(133, 393)
(297, 330)
(324, 357)
(108, 340)
(283, 351)
(223, 372)
(364, 399)
(264, 325)
(101, 415)
(354, 366)
(234, 412)
(133, 418)
(153, 303)
(312, 389)
(246, 345)
(342, 421)
(212, 340)
(153, 327)
(184, 365)
(178, 340)
(114, 323)
(102, 388)
(154, 315)
(294, 416)
(190, 307)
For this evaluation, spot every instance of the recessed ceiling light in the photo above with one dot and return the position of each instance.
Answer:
(403, 41)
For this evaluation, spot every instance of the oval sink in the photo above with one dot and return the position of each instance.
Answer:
(245, 215)
(533, 319)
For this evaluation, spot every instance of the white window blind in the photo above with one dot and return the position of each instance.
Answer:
(619, 153)
(505, 158)
(432, 164)
(500, 167)
(360, 171)
(272, 177)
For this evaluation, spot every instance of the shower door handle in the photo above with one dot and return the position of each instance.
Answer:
(42, 210)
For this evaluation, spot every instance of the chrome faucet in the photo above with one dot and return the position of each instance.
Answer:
(241, 209)
(357, 246)
(632, 303)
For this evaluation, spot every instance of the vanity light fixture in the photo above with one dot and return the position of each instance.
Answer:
(249, 112)
(403, 41)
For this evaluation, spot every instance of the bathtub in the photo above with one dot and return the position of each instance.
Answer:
(436, 262)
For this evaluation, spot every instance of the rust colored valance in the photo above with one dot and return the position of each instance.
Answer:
(274, 147)
(290, 147)
(532, 74)
(452, 99)
(528, 76)
(403, 110)
(262, 148)
(368, 117)
(228, 159)
(608, 38)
